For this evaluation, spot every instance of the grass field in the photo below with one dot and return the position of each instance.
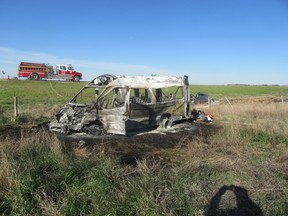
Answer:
(241, 91)
(50, 95)
(33, 94)
(236, 166)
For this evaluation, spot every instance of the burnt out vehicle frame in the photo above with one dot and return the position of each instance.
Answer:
(120, 105)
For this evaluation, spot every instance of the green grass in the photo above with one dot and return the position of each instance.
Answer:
(264, 138)
(33, 93)
(240, 91)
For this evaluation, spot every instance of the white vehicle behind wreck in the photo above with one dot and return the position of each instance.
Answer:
(124, 105)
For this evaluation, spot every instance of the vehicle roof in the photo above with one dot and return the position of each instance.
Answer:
(147, 81)
(32, 64)
(63, 64)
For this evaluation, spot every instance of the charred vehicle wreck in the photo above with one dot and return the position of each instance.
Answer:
(119, 105)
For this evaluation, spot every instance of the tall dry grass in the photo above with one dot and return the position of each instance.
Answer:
(248, 149)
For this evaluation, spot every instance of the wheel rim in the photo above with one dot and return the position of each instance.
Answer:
(34, 77)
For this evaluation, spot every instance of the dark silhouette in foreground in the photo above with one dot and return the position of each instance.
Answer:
(245, 206)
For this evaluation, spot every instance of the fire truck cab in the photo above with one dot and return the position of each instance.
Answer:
(65, 67)
(67, 70)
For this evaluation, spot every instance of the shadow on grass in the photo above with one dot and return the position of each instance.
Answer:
(245, 206)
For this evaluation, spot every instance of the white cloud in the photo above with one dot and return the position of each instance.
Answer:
(13, 55)
(10, 59)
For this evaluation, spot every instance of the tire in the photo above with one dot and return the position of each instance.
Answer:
(76, 79)
(34, 76)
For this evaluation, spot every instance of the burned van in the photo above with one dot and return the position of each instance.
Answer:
(119, 105)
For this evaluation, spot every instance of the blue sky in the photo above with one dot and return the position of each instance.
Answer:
(211, 41)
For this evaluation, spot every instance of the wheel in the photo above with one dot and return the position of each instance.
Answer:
(76, 79)
(34, 76)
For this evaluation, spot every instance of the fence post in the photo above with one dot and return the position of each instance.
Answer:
(15, 106)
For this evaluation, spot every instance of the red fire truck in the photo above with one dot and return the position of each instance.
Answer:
(36, 71)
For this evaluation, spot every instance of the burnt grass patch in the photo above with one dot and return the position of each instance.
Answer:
(148, 146)
(10, 132)
(16, 132)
